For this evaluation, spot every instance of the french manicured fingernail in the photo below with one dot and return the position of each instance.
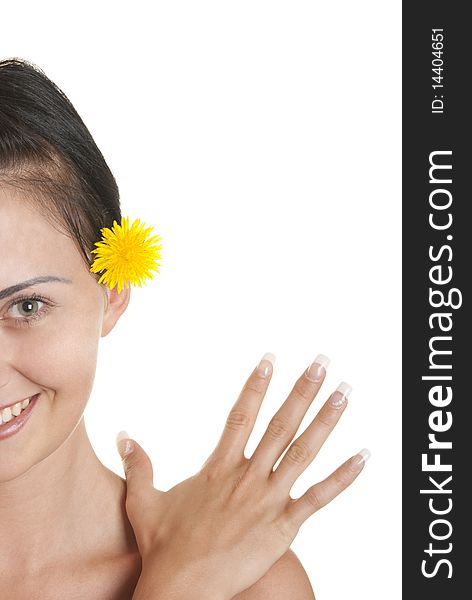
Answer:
(266, 364)
(317, 368)
(360, 458)
(340, 395)
(124, 444)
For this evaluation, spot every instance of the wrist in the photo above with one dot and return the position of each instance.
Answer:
(169, 584)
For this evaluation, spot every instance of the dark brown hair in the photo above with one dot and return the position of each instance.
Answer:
(47, 153)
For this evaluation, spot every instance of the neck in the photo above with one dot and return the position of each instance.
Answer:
(67, 508)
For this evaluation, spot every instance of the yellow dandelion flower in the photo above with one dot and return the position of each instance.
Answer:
(126, 254)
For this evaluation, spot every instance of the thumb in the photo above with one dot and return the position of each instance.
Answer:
(136, 463)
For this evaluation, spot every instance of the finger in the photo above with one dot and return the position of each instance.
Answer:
(287, 419)
(136, 463)
(242, 417)
(322, 493)
(304, 449)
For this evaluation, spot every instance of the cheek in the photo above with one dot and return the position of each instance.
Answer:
(58, 357)
(61, 357)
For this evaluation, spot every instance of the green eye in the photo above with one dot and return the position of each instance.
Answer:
(29, 310)
(26, 307)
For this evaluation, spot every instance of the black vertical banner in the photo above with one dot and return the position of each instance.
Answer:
(437, 362)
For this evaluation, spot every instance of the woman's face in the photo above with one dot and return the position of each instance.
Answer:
(55, 355)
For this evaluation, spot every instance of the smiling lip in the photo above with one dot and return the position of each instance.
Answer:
(13, 426)
(13, 403)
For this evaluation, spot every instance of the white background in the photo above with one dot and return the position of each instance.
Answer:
(261, 139)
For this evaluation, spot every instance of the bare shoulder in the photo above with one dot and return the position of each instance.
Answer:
(285, 579)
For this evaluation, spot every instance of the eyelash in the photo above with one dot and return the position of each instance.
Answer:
(31, 320)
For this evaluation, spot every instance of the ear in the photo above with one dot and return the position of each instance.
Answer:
(115, 306)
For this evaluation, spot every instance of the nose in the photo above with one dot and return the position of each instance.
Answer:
(5, 373)
(6, 360)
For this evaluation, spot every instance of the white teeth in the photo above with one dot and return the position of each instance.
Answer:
(9, 413)
(16, 409)
(6, 415)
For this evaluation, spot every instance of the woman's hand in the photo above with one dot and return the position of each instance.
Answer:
(221, 530)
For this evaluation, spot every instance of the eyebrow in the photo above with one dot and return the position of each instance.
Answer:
(13, 289)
